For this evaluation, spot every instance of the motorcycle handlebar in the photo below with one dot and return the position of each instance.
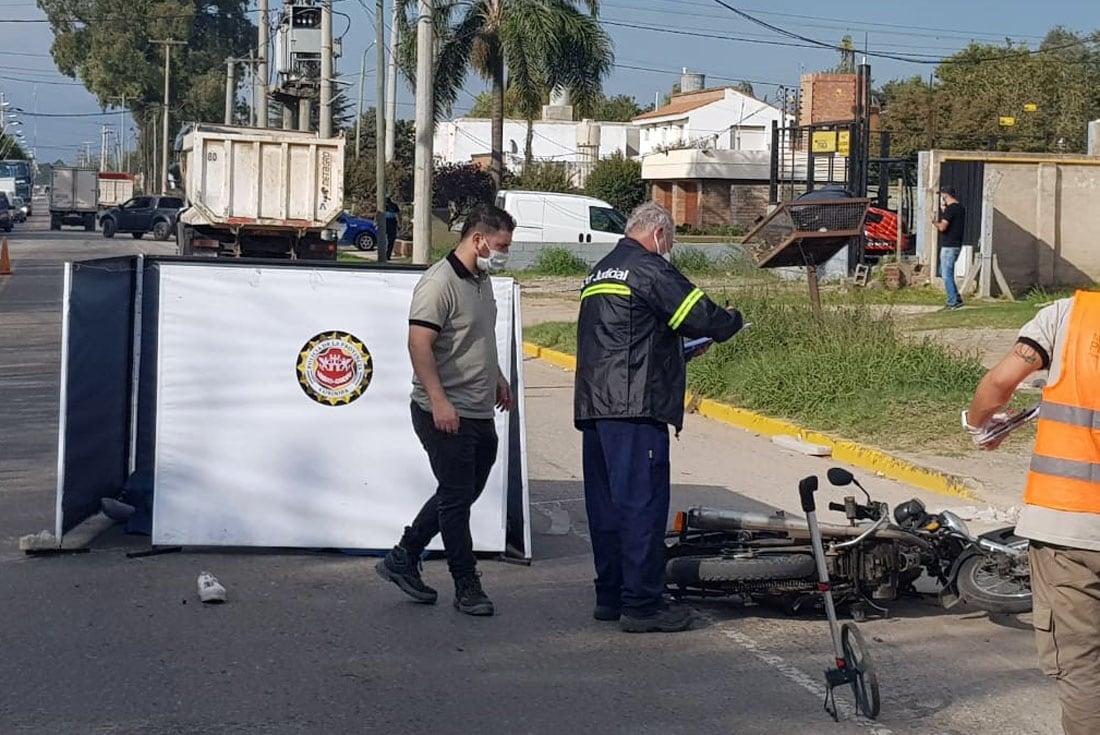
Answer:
(839, 507)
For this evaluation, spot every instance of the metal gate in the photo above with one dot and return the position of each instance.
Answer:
(968, 180)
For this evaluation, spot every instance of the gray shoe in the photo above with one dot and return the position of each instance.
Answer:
(470, 598)
(671, 619)
(403, 569)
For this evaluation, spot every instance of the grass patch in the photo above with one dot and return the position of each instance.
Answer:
(989, 314)
(558, 262)
(851, 372)
(560, 336)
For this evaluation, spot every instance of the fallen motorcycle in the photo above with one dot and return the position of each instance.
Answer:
(873, 560)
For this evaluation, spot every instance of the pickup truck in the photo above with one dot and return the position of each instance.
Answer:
(156, 214)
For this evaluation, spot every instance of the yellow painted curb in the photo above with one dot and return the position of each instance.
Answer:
(858, 455)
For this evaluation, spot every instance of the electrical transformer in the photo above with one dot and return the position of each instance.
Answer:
(298, 45)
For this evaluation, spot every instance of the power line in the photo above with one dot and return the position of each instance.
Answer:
(896, 57)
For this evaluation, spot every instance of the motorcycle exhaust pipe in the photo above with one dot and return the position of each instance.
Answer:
(992, 546)
(718, 519)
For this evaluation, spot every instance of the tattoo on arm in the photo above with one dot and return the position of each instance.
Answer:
(1026, 353)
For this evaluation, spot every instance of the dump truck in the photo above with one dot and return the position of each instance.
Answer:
(253, 192)
(115, 188)
(74, 198)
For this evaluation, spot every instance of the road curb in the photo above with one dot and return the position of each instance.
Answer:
(853, 453)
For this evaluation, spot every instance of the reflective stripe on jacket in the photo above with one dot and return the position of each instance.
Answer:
(1065, 466)
(635, 308)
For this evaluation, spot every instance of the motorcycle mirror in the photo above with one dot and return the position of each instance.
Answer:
(839, 476)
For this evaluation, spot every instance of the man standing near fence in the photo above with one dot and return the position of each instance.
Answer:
(951, 221)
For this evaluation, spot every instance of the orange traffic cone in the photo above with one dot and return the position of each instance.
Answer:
(5, 259)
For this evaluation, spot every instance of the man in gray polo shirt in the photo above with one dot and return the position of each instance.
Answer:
(457, 386)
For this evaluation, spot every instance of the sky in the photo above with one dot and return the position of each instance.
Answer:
(654, 40)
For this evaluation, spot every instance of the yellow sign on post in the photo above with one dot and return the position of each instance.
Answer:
(1031, 107)
(843, 142)
(1007, 122)
(824, 142)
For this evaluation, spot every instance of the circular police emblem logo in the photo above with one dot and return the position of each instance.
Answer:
(334, 368)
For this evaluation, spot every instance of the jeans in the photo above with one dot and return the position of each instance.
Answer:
(626, 496)
(461, 464)
(949, 255)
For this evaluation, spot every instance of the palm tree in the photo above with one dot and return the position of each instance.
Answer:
(543, 45)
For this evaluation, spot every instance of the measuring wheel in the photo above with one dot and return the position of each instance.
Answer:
(861, 670)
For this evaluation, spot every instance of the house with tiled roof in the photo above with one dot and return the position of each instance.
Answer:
(706, 155)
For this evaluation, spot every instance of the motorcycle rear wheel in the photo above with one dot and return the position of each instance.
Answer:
(695, 570)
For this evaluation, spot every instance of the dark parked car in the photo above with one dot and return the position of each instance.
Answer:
(156, 214)
(6, 213)
(358, 231)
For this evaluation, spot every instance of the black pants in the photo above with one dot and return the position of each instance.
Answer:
(461, 464)
(391, 238)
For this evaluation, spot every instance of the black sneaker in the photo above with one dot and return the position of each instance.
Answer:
(605, 613)
(670, 619)
(470, 598)
(402, 569)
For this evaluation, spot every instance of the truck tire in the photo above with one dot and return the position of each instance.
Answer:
(162, 230)
(55, 222)
(109, 227)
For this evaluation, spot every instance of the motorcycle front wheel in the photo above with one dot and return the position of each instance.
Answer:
(986, 582)
(861, 670)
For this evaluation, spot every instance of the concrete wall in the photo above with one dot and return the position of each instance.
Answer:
(457, 141)
(1044, 217)
(523, 255)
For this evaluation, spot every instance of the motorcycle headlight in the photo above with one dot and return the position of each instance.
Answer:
(953, 523)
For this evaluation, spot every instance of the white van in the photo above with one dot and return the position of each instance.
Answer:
(566, 218)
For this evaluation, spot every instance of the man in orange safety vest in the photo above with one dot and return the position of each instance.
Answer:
(1061, 514)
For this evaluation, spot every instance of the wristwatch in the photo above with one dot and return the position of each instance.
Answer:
(968, 427)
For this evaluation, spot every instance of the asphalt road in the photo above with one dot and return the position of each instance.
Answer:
(316, 643)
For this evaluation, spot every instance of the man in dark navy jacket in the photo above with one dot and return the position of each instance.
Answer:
(636, 310)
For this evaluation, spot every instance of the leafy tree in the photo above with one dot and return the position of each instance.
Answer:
(847, 63)
(618, 181)
(107, 45)
(1048, 93)
(10, 148)
(546, 176)
(542, 44)
(458, 187)
(745, 88)
(483, 104)
(620, 108)
(359, 173)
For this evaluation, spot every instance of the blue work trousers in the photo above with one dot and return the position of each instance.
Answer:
(626, 493)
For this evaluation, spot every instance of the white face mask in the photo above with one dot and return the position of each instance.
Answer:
(494, 263)
(666, 254)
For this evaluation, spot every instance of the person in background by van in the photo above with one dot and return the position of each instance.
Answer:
(393, 221)
(635, 309)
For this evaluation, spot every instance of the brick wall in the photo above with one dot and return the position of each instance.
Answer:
(747, 202)
(714, 204)
(662, 194)
(827, 98)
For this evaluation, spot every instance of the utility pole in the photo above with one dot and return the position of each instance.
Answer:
(260, 105)
(425, 119)
(359, 113)
(168, 44)
(230, 88)
(104, 133)
(121, 140)
(391, 87)
(380, 132)
(325, 117)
